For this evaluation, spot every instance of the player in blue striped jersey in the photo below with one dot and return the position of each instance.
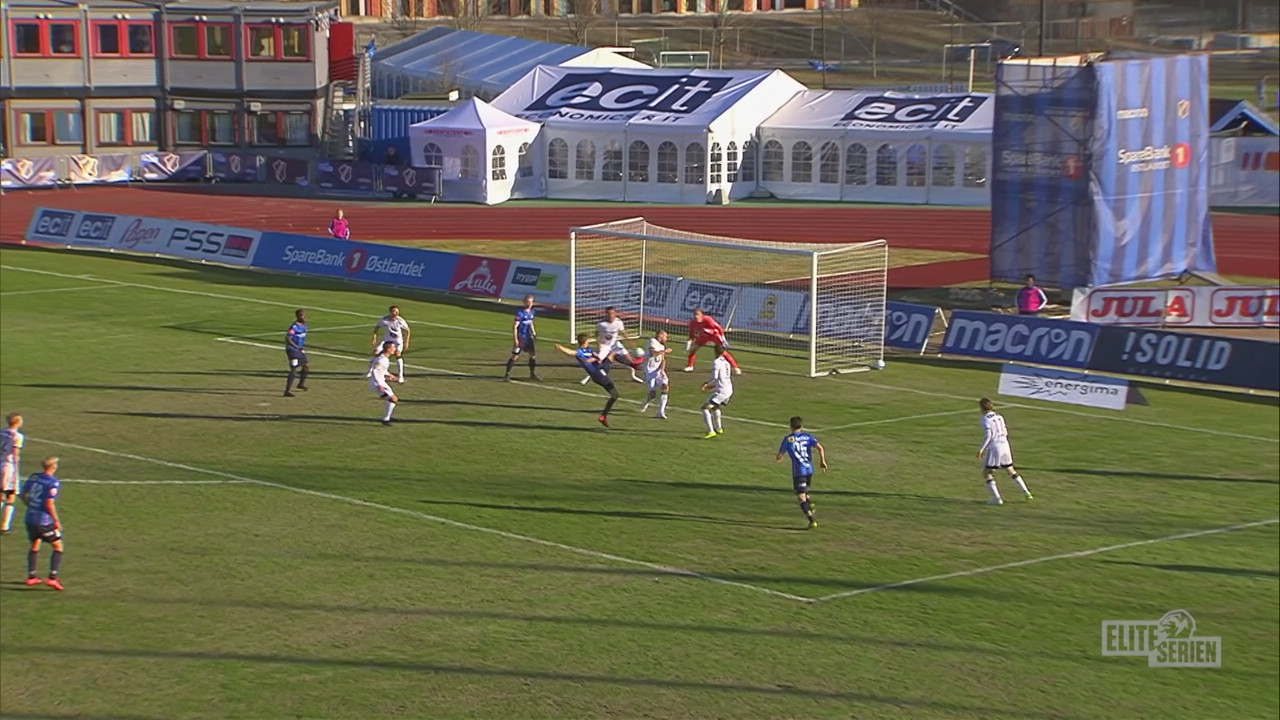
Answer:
(295, 344)
(799, 445)
(597, 368)
(40, 492)
(524, 339)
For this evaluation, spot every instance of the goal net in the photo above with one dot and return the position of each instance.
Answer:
(824, 303)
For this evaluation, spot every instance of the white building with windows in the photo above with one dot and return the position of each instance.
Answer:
(485, 155)
(879, 147)
(680, 136)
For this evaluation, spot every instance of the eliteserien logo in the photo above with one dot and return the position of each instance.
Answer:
(1014, 339)
(905, 111)
(622, 93)
(1169, 642)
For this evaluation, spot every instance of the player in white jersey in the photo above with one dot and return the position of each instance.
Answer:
(381, 377)
(11, 440)
(655, 373)
(721, 388)
(395, 330)
(609, 335)
(996, 452)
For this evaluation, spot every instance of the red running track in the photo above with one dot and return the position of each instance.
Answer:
(1246, 244)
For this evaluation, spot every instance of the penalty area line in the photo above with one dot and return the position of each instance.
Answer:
(87, 481)
(1050, 558)
(657, 567)
(77, 288)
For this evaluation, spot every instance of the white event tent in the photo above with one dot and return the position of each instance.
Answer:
(683, 136)
(486, 155)
(879, 147)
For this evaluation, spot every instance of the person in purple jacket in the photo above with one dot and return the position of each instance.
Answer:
(1031, 299)
(340, 227)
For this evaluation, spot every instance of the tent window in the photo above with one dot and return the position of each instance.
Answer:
(432, 155)
(585, 161)
(524, 160)
(717, 161)
(695, 164)
(611, 167)
(773, 162)
(975, 167)
(498, 163)
(886, 166)
(638, 162)
(944, 165)
(731, 162)
(802, 162)
(558, 159)
(829, 164)
(917, 165)
(855, 165)
(470, 163)
(748, 169)
(668, 163)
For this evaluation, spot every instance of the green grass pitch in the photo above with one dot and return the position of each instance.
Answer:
(496, 554)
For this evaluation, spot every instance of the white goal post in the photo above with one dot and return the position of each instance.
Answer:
(817, 301)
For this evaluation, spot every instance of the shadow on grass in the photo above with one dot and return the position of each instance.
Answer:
(212, 658)
(589, 512)
(279, 374)
(366, 420)
(818, 490)
(1102, 472)
(77, 716)
(1210, 569)
(140, 388)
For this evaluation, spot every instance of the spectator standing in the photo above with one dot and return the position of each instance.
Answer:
(340, 227)
(1031, 299)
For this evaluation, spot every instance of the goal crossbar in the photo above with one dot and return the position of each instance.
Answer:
(657, 233)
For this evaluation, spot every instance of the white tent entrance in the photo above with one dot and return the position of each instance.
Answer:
(486, 155)
(879, 147)
(680, 136)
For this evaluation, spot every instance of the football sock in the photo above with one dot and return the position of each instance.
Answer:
(608, 405)
(288, 384)
(8, 515)
(512, 362)
(302, 377)
(995, 491)
(706, 417)
(692, 356)
(1021, 484)
(662, 404)
(400, 368)
(807, 508)
(719, 420)
(31, 562)
(729, 356)
(533, 365)
(390, 408)
(55, 563)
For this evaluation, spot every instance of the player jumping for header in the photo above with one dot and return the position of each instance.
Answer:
(800, 446)
(524, 339)
(596, 367)
(610, 333)
(704, 329)
(998, 454)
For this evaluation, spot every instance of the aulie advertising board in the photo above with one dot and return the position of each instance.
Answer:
(1179, 306)
(1020, 338)
(1187, 357)
(365, 262)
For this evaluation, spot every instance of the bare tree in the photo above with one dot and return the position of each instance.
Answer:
(727, 22)
(580, 16)
(463, 14)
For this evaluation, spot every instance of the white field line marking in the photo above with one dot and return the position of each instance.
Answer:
(886, 421)
(455, 373)
(274, 303)
(1119, 418)
(1050, 558)
(665, 569)
(77, 288)
(153, 482)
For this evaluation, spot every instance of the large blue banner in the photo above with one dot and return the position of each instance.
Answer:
(1150, 180)
(1021, 338)
(384, 264)
(1187, 357)
(1041, 212)
(908, 325)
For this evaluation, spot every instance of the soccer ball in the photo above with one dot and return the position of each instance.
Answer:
(877, 365)
(639, 352)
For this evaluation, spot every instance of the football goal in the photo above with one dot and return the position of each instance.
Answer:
(822, 302)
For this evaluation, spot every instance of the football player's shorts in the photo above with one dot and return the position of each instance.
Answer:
(999, 456)
(719, 399)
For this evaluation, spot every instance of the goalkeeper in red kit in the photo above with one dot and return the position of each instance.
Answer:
(703, 330)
